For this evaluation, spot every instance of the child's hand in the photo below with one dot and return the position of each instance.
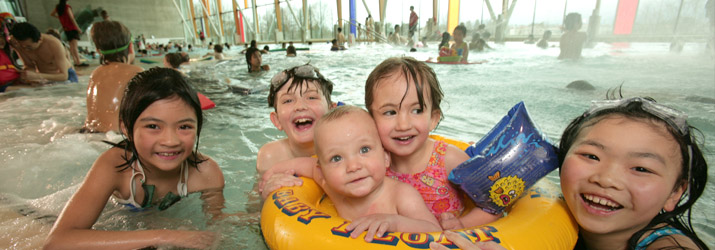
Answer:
(449, 222)
(279, 180)
(465, 244)
(374, 224)
(193, 239)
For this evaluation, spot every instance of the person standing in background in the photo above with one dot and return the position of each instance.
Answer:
(63, 11)
(413, 23)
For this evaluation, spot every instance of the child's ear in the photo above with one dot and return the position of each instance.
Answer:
(674, 197)
(274, 120)
(123, 129)
(434, 120)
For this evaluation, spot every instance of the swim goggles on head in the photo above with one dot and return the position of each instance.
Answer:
(304, 71)
(112, 51)
(673, 117)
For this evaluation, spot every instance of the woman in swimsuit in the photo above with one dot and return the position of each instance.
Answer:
(157, 164)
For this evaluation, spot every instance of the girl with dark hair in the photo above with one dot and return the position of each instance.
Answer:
(63, 11)
(156, 165)
(631, 171)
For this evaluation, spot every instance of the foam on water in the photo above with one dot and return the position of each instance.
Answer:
(44, 159)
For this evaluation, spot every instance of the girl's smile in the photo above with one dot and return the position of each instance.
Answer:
(165, 134)
(619, 174)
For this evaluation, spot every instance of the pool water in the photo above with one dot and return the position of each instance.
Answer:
(44, 159)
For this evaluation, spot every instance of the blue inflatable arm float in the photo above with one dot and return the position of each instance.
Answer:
(505, 162)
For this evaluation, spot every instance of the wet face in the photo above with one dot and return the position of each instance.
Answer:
(165, 134)
(351, 156)
(619, 174)
(27, 44)
(402, 124)
(298, 110)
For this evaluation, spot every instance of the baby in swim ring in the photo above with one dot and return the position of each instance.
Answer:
(352, 165)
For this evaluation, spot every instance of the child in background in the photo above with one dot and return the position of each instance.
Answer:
(459, 45)
(218, 52)
(299, 96)
(291, 50)
(630, 174)
(156, 165)
(254, 60)
(572, 40)
(445, 41)
(478, 44)
(109, 81)
(544, 41)
(8, 70)
(352, 163)
(403, 95)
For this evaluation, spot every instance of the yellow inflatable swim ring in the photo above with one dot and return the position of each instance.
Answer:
(302, 218)
(295, 218)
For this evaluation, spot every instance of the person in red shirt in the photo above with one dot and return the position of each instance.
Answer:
(413, 22)
(63, 11)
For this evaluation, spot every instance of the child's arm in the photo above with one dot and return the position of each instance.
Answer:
(412, 216)
(476, 217)
(73, 228)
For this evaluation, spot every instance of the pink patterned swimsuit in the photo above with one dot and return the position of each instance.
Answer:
(433, 185)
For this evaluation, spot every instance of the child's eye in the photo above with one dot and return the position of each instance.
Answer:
(389, 112)
(590, 157)
(336, 158)
(152, 126)
(284, 101)
(364, 149)
(417, 111)
(186, 127)
(642, 169)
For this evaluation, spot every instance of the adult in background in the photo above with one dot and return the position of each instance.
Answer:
(43, 55)
(413, 23)
(63, 11)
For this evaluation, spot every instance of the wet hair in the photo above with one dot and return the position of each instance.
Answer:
(334, 41)
(461, 28)
(445, 40)
(146, 88)
(24, 31)
(218, 48)
(694, 174)
(572, 21)
(340, 29)
(174, 59)
(53, 32)
(249, 54)
(109, 35)
(61, 7)
(417, 72)
(266, 48)
(291, 50)
(253, 43)
(323, 84)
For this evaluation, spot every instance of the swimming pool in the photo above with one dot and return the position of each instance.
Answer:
(43, 158)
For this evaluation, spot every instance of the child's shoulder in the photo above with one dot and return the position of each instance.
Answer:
(453, 157)
(207, 175)
(271, 153)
